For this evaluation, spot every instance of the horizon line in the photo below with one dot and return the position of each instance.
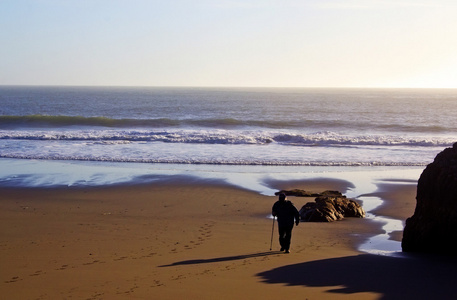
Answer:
(226, 87)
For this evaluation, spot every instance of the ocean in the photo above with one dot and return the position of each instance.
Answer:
(260, 129)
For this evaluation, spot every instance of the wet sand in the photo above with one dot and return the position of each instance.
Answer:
(198, 240)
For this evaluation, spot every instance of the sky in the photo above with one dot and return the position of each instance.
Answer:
(217, 43)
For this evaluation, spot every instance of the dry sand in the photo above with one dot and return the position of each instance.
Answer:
(198, 241)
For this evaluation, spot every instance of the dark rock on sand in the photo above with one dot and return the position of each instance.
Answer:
(330, 206)
(303, 193)
(433, 227)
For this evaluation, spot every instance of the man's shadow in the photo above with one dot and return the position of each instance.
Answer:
(221, 259)
(407, 277)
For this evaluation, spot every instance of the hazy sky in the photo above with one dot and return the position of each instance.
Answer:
(299, 43)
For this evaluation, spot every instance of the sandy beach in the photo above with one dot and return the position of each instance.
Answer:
(199, 240)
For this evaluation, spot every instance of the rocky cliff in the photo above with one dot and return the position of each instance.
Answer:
(433, 227)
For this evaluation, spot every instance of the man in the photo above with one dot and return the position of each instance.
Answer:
(286, 213)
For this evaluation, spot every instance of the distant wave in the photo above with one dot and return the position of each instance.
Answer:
(45, 121)
(63, 121)
(322, 139)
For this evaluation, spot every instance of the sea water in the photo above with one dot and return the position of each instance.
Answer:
(227, 126)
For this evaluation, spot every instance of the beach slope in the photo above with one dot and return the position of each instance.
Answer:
(189, 241)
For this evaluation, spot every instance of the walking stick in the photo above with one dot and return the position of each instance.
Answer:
(272, 229)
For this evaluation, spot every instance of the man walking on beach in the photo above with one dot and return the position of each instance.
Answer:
(286, 213)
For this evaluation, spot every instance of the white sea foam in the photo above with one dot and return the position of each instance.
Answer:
(218, 136)
(219, 153)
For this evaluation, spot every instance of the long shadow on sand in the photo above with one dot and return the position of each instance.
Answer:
(220, 259)
(411, 277)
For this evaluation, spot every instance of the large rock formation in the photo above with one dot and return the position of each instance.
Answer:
(433, 227)
(327, 207)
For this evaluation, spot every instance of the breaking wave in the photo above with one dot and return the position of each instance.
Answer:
(326, 139)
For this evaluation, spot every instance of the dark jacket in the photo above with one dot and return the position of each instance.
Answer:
(286, 213)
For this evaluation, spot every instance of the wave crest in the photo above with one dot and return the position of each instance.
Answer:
(323, 139)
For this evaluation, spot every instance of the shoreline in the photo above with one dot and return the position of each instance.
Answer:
(175, 238)
(51, 173)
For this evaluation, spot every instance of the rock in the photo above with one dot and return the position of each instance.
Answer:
(327, 207)
(330, 207)
(303, 193)
(433, 226)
